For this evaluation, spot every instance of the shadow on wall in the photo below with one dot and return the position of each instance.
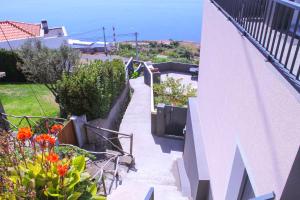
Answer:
(169, 144)
(291, 188)
(261, 104)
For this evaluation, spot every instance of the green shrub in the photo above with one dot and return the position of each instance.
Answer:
(92, 88)
(172, 92)
(8, 64)
(134, 75)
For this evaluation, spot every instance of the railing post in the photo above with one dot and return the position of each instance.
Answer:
(150, 194)
(131, 144)
(104, 187)
(28, 121)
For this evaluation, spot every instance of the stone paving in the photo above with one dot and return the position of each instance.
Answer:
(155, 157)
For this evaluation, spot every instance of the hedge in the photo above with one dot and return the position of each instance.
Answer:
(8, 64)
(92, 88)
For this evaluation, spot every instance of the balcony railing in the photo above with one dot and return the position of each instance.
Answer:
(273, 26)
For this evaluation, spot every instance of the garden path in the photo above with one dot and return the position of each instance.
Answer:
(155, 157)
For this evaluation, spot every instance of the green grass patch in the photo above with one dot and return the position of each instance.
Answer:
(28, 99)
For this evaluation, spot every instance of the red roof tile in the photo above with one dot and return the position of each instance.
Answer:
(11, 30)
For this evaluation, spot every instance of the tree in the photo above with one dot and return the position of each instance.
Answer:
(8, 64)
(174, 44)
(185, 53)
(43, 65)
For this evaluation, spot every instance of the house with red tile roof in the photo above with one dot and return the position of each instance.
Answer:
(13, 34)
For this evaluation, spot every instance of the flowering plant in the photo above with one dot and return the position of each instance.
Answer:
(31, 168)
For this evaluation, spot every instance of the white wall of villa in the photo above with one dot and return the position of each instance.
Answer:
(244, 102)
(53, 42)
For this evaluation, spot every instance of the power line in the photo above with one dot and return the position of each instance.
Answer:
(107, 36)
(105, 49)
(114, 34)
(83, 33)
(34, 94)
(136, 45)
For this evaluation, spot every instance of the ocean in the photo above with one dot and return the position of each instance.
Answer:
(152, 19)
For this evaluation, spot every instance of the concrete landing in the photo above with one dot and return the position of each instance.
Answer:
(155, 157)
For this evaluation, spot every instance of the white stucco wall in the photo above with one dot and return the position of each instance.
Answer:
(244, 101)
(53, 42)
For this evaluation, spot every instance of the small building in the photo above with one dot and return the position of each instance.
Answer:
(14, 34)
(90, 47)
(2, 74)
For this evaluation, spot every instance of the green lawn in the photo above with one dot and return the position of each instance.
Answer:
(19, 99)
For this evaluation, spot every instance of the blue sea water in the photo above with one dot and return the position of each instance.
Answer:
(84, 19)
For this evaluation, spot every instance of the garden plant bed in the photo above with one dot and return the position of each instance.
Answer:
(171, 86)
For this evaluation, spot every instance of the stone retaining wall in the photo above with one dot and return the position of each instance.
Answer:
(112, 121)
(174, 66)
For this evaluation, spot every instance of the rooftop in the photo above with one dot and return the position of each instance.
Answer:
(55, 32)
(11, 30)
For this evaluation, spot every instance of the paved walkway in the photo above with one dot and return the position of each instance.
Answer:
(155, 157)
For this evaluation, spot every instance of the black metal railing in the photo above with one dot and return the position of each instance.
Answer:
(150, 194)
(271, 25)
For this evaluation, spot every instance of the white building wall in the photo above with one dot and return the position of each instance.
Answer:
(53, 42)
(243, 101)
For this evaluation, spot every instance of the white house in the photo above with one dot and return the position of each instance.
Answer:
(87, 46)
(13, 34)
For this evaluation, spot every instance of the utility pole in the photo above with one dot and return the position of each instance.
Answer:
(136, 46)
(105, 49)
(114, 35)
(115, 40)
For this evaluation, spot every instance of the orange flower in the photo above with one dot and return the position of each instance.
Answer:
(24, 134)
(62, 169)
(45, 140)
(56, 128)
(52, 157)
(51, 141)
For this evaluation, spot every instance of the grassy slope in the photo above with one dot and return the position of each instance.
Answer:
(19, 99)
(163, 52)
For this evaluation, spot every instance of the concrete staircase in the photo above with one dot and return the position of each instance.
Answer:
(136, 187)
(136, 190)
(136, 184)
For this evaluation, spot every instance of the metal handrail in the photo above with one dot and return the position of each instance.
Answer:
(102, 169)
(272, 26)
(151, 88)
(123, 135)
(90, 152)
(29, 116)
(107, 130)
(150, 194)
(290, 4)
(30, 122)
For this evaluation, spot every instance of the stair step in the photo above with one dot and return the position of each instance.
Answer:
(135, 191)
